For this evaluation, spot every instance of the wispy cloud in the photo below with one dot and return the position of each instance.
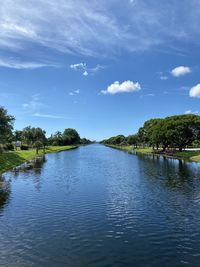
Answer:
(180, 71)
(34, 103)
(75, 92)
(48, 116)
(14, 64)
(151, 95)
(93, 28)
(164, 78)
(124, 87)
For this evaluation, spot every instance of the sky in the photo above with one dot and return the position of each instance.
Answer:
(101, 67)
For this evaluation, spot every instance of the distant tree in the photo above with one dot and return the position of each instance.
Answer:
(30, 135)
(70, 137)
(39, 135)
(18, 135)
(58, 137)
(38, 145)
(146, 136)
(183, 130)
(132, 140)
(85, 141)
(115, 140)
(175, 131)
(6, 125)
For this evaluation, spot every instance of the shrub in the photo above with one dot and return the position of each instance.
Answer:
(1, 148)
(9, 146)
(55, 143)
(24, 147)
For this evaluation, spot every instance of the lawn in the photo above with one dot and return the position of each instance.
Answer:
(186, 155)
(11, 159)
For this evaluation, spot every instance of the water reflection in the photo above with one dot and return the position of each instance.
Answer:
(33, 174)
(4, 192)
(173, 173)
(96, 206)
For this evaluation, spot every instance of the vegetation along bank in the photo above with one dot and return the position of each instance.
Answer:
(18, 146)
(175, 136)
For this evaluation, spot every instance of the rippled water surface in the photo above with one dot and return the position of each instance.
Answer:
(96, 206)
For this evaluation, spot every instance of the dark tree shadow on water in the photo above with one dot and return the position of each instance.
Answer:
(172, 173)
(4, 192)
(32, 174)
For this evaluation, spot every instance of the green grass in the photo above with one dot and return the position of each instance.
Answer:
(130, 149)
(186, 155)
(195, 158)
(189, 155)
(9, 160)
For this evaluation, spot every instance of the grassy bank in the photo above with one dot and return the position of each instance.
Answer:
(185, 155)
(9, 160)
(133, 150)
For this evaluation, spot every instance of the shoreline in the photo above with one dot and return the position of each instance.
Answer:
(13, 159)
(192, 156)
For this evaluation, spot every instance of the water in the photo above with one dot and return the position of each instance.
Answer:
(96, 206)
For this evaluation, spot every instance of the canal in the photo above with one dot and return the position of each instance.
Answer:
(97, 206)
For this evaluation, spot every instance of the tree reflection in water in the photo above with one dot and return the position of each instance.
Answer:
(33, 174)
(170, 172)
(4, 192)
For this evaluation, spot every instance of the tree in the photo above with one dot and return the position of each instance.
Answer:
(56, 139)
(18, 135)
(175, 131)
(146, 133)
(27, 135)
(6, 125)
(38, 145)
(70, 137)
(85, 141)
(183, 130)
(132, 140)
(31, 134)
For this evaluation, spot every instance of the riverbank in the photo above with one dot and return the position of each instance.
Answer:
(185, 155)
(11, 159)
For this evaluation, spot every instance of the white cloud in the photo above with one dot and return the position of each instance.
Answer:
(191, 112)
(180, 71)
(85, 73)
(78, 66)
(82, 67)
(49, 116)
(124, 87)
(195, 91)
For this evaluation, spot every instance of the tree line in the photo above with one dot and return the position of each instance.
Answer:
(33, 137)
(177, 132)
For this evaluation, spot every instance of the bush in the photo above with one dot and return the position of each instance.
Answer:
(55, 143)
(9, 147)
(1, 148)
(24, 147)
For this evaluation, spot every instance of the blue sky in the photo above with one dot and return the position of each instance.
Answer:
(102, 67)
